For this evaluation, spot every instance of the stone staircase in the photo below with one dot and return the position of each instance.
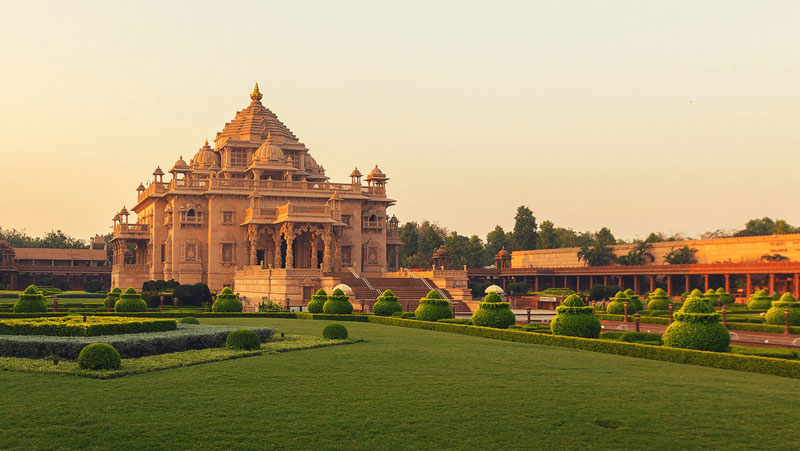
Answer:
(408, 291)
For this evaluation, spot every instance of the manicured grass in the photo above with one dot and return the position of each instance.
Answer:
(406, 388)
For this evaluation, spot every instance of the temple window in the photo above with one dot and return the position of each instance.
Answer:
(227, 252)
(163, 253)
(239, 158)
(227, 217)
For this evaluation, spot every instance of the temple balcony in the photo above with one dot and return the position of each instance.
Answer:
(131, 232)
(291, 212)
(154, 189)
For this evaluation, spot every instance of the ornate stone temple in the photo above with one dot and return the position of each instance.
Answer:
(255, 211)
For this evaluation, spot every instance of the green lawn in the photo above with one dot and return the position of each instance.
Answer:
(405, 388)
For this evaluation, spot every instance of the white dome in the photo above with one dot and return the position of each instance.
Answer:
(494, 289)
(345, 288)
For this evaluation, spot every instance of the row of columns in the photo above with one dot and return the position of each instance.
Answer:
(619, 279)
(289, 232)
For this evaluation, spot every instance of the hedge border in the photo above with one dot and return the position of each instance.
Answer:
(732, 325)
(751, 364)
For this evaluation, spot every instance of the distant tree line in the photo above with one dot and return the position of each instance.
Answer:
(52, 239)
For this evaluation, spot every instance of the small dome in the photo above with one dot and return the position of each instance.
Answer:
(376, 173)
(269, 152)
(494, 289)
(345, 288)
(140, 188)
(205, 157)
(124, 212)
(180, 165)
(442, 252)
(310, 162)
(158, 171)
(335, 196)
(356, 173)
(503, 253)
(394, 220)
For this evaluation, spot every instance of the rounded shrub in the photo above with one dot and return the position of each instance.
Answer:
(317, 301)
(697, 327)
(130, 301)
(189, 320)
(573, 318)
(338, 303)
(760, 300)
(493, 312)
(243, 339)
(334, 332)
(617, 304)
(99, 356)
(30, 301)
(658, 300)
(712, 297)
(433, 308)
(776, 314)
(112, 298)
(227, 302)
(387, 304)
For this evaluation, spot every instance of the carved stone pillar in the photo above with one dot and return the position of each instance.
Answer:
(327, 238)
(252, 235)
(289, 232)
(276, 238)
(314, 258)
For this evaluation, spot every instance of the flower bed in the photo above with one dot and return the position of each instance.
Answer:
(84, 326)
(184, 338)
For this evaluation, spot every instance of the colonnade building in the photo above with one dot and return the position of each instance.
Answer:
(254, 210)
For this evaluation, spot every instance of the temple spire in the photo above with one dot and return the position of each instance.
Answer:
(256, 95)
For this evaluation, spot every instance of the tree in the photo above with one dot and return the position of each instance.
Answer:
(431, 237)
(53, 239)
(547, 238)
(597, 255)
(496, 240)
(639, 255)
(681, 256)
(524, 234)
(409, 235)
(605, 237)
(475, 255)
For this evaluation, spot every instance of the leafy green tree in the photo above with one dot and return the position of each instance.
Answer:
(409, 235)
(431, 236)
(681, 256)
(605, 237)
(547, 239)
(475, 253)
(53, 239)
(597, 255)
(639, 255)
(525, 234)
(496, 240)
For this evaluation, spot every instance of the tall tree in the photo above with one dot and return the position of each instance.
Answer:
(597, 255)
(605, 237)
(409, 235)
(524, 233)
(496, 240)
(547, 239)
(681, 256)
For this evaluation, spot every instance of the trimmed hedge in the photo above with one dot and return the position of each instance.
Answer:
(188, 320)
(466, 321)
(75, 326)
(99, 356)
(338, 303)
(130, 301)
(334, 332)
(760, 300)
(387, 304)
(776, 314)
(317, 301)
(410, 315)
(697, 326)
(227, 302)
(129, 345)
(752, 364)
(243, 339)
(433, 308)
(30, 301)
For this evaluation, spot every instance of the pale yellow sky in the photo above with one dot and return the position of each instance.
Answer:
(674, 116)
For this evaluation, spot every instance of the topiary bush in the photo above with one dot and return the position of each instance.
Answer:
(658, 300)
(697, 327)
(712, 297)
(30, 301)
(317, 301)
(338, 303)
(112, 298)
(760, 300)
(493, 312)
(130, 301)
(189, 320)
(573, 318)
(99, 356)
(243, 339)
(617, 304)
(433, 308)
(776, 315)
(334, 332)
(227, 302)
(387, 304)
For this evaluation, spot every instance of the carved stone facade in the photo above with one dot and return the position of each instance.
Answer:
(255, 200)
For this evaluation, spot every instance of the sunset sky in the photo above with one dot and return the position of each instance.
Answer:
(672, 116)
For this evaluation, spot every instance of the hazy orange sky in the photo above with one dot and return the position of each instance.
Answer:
(677, 116)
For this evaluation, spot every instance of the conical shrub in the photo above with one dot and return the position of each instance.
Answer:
(776, 314)
(130, 301)
(697, 327)
(227, 302)
(338, 303)
(573, 318)
(317, 301)
(494, 312)
(433, 308)
(30, 301)
(760, 300)
(658, 300)
(387, 304)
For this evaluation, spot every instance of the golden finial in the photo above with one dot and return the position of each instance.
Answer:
(256, 95)
(206, 141)
(269, 136)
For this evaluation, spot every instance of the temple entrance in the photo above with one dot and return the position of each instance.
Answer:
(307, 292)
(260, 256)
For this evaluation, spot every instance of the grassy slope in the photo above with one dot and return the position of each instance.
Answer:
(405, 388)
